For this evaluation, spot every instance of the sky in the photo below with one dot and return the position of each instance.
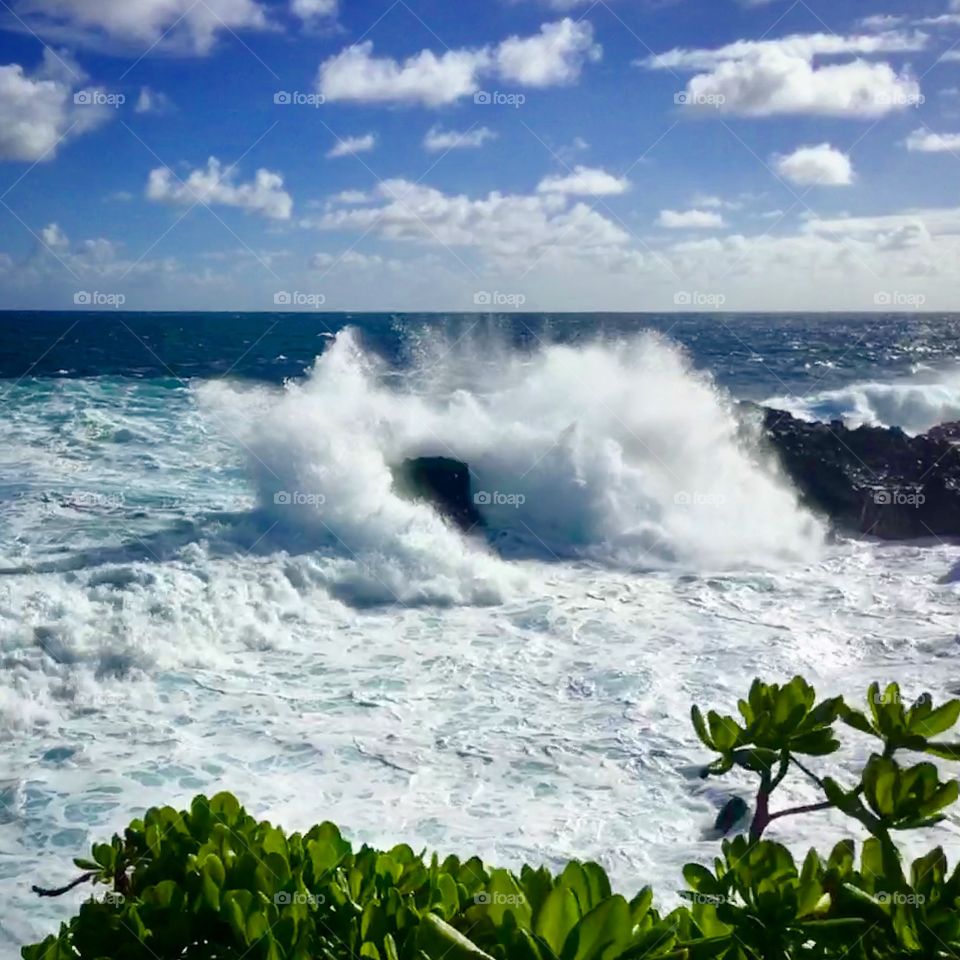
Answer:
(429, 155)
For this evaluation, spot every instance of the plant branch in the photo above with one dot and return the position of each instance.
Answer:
(41, 892)
(807, 808)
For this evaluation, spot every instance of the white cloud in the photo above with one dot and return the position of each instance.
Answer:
(184, 25)
(438, 139)
(554, 56)
(38, 112)
(882, 21)
(512, 228)
(352, 197)
(348, 259)
(355, 74)
(312, 10)
(769, 77)
(214, 185)
(348, 146)
(690, 220)
(584, 182)
(925, 141)
(53, 237)
(804, 46)
(821, 165)
(152, 101)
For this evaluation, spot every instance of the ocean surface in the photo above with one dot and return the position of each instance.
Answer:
(207, 582)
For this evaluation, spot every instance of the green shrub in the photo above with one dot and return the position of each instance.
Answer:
(213, 882)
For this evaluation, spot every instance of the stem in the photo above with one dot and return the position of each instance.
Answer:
(761, 817)
(40, 892)
(807, 808)
(809, 773)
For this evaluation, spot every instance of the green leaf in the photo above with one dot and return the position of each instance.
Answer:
(438, 939)
(558, 916)
(701, 727)
(939, 720)
(601, 934)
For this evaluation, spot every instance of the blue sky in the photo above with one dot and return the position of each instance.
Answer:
(493, 154)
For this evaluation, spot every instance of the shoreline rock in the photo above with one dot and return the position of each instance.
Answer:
(876, 481)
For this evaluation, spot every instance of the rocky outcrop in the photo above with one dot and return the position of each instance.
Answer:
(872, 480)
(442, 482)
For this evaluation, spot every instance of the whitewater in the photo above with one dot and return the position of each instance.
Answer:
(209, 583)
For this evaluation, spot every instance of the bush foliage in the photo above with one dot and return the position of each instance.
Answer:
(213, 882)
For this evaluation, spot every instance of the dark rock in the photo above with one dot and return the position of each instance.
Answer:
(872, 480)
(442, 482)
(946, 431)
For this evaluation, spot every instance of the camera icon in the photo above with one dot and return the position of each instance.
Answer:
(681, 99)
(882, 498)
(282, 299)
(282, 498)
(83, 98)
(882, 299)
(82, 299)
(482, 898)
(481, 96)
(682, 299)
(482, 498)
(482, 299)
(281, 97)
(282, 898)
(682, 499)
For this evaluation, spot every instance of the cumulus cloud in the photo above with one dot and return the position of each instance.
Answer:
(690, 220)
(39, 112)
(769, 77)
(347, 146)
(152, 101)
(355, 74)
(584, 182)
(312, 10)
(438, 139)
(821, 165)
(514, 228)
(926, 141)
(554, 56)
(215, 185)
(184, 25)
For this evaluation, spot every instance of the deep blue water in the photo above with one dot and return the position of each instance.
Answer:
(751, 354)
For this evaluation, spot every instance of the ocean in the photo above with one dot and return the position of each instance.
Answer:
(207, 581)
